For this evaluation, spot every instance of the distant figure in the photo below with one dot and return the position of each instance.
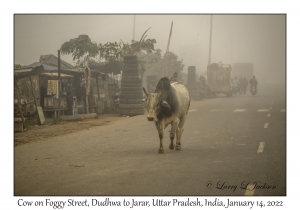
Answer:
(174, 77)
(231, 86)
(70, 94)
(202, 86)
(235, 85)
(253, 82)
(240, 85)
(245, 84)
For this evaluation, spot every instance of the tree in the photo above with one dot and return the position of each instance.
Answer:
(111, 51)
(171, 63)
(80, 47)
(151, 62)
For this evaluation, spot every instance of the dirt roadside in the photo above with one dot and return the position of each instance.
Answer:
(53, 128)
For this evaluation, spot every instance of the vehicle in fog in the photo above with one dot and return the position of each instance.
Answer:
(253, 90)
(218, 78)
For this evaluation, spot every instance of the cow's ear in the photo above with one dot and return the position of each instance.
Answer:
(160, 94)
(146, 92)
(164, 103)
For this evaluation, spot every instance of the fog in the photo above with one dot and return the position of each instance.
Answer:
(259, 39)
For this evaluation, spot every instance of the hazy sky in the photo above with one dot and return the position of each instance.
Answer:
(260, 39)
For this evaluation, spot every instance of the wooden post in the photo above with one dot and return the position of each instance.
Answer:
(59, 86)
(35, 101)
(86, 85)
(86, 95)
(98, 93)
(165, 66)
(97, 82)
(20, 105)
(210, 36)
(87, 103)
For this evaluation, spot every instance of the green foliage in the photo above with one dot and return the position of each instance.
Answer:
(154, 62)
(150, 62)
(111, 51)
(18, 66)
(172, 64)
(146, 46)
(54, 121)
(80, 47)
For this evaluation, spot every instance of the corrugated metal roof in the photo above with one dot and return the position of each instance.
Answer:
(52, 59)
(55, 75)
(48, 66)
(25, 72)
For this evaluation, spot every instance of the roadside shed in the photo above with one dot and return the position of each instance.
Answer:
(95, 83)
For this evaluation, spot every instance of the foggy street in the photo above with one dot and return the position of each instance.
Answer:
(231, 146)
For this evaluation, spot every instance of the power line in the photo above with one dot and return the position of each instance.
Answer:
(193, 54)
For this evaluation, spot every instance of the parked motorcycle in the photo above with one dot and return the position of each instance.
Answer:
(253, 90)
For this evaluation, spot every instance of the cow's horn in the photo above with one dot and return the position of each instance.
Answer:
(146, 92)
(159, 94)
(164, 103)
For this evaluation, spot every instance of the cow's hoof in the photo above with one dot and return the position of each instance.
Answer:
(171, 147)
(178, 147)
(161, 151)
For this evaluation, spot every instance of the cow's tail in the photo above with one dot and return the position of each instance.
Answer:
(188, 106)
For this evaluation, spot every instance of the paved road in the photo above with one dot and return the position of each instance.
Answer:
(230, 146)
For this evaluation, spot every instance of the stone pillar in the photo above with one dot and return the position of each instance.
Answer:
(131, 88)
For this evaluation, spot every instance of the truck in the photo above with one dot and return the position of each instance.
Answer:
(242, 70)
(219, 78)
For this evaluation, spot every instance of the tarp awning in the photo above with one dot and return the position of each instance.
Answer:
(54, 75)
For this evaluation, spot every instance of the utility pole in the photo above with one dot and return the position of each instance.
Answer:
(86, 84)
(209, 56)
(165, 69)
(133, 27)
(59, 86)
(231, 49)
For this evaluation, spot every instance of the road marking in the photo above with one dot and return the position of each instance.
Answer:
(250, 190)
(192, 110)
(263, 110)
(269, 115)
(261, 147)
(239, 110)
(216, 110)
(266, 125)
(282, 110)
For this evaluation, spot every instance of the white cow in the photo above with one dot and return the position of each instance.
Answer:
(169, 104)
